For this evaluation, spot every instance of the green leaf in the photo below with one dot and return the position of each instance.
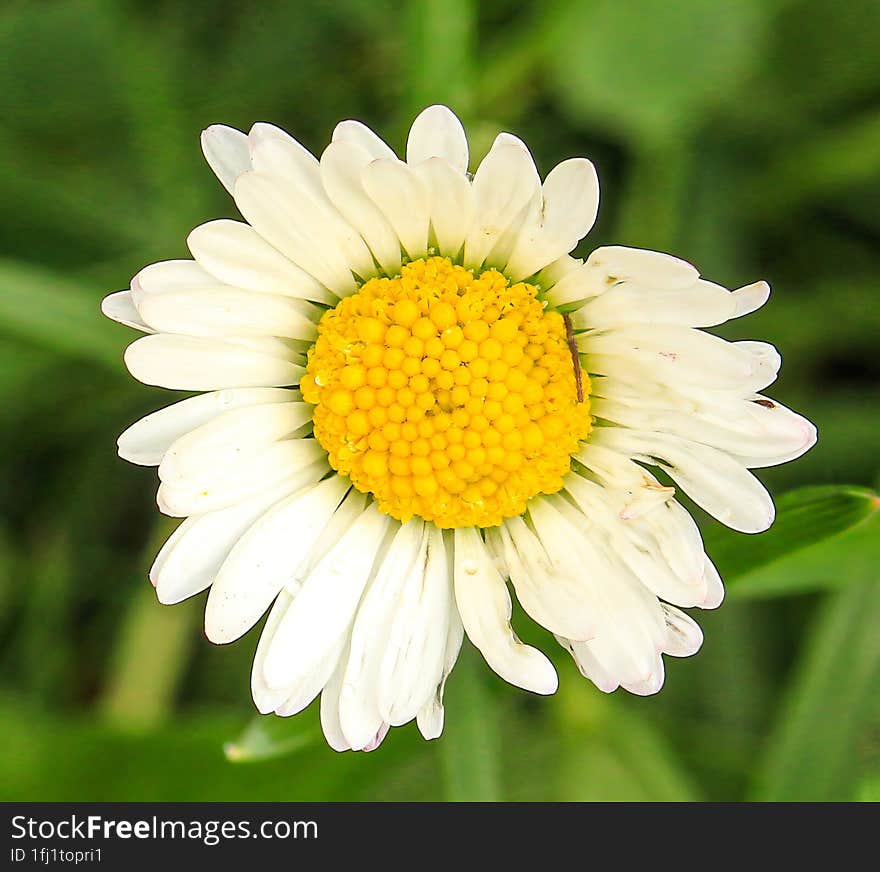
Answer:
(814, 753)
(804, 518)
(37, 305)
(829, 565)
(268, 736)
(471, 737)
(651, 70)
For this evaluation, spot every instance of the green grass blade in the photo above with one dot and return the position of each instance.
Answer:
(804, 517)
(38, 305)
(828, 565)
(829, 711)
(471, 738)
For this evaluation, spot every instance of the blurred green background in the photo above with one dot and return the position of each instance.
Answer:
(742, 136)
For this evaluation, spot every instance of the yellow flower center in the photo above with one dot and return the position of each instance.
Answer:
(445, 395)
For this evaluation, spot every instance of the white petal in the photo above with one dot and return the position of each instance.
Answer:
(359, 712)
(675, 355)
(638, 490)
(169, 276)
(570, 204)
(274, 150)
(300, 180)
(269, 203)
(527, 217)
(378, 739)
(684, 636)
(146, 441)
(351, 508)
(571, 199)
(629, 622)
(120, 307)
(330, 710)
(503, 186)
(637, 543)
(309, 685)
(230, 312)
(437, 132)
(755, 430)
(226, 150)
(588, 665)
(719, 484)
(342, 165)
(403, 199)
(750, 298)
(576, 285)
(191, 559)
(415, 653)
(485, 609)
(559, 269)
(237, 255)
(766, 357)
(430, 717)
(229, 438)
(322, 611)
(265, 698)
(616, 263)
(451, 203)
(681, 544)
(253, 475)
(649, 685)
(505, 138)
(267, 557)
(714, 587)
(358, 134)
(200, 364)
(550, 595)
(703, 304)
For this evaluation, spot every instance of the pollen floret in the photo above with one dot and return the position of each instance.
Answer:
(446, 395)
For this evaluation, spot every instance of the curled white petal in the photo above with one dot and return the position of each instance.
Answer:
(719, 484)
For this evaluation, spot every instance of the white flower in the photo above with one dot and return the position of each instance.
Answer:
(396, 423)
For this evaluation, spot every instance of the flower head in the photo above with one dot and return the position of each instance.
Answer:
(413, 395)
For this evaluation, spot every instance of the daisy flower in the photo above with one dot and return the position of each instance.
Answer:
(414, 402)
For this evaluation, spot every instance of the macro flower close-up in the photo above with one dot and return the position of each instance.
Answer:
(432, 402)
(415, 406)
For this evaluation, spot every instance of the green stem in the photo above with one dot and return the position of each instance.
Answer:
(150, 657)
(471, 740)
